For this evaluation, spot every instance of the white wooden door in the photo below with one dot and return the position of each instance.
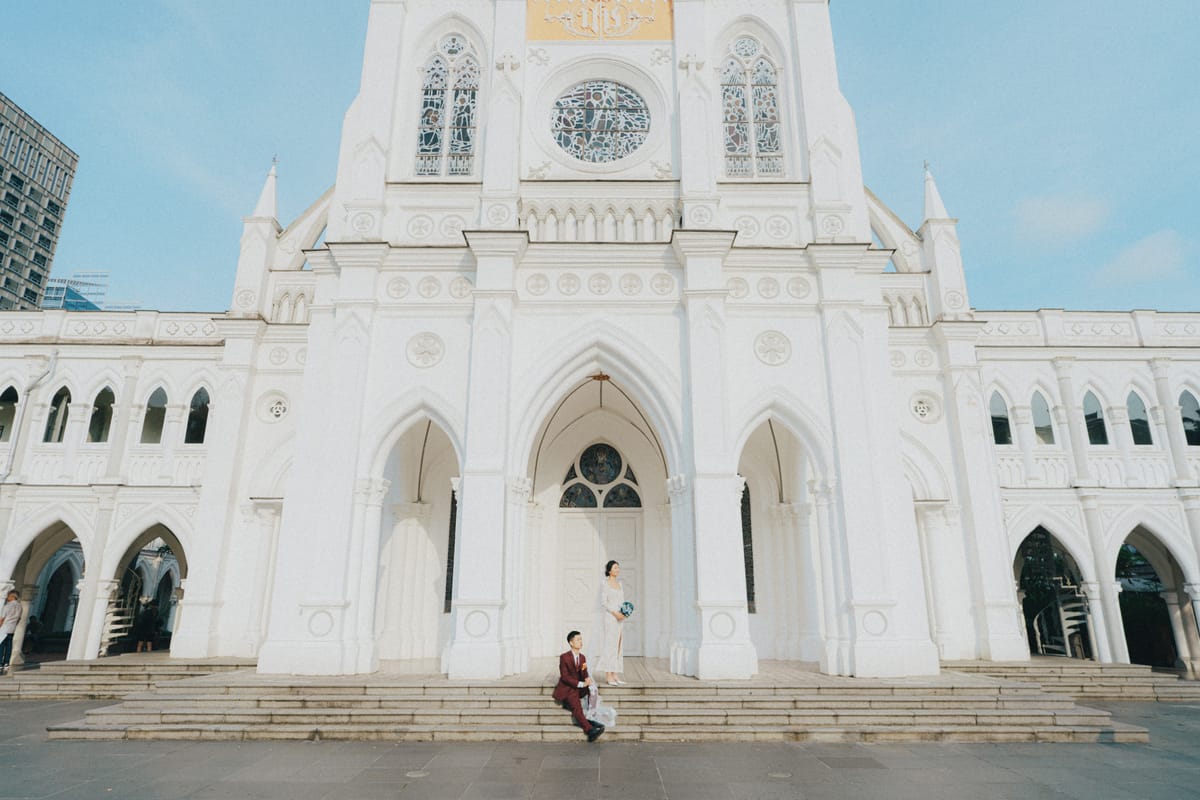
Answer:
(588, 539)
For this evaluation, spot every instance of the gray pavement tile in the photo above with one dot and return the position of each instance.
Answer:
(697, 791)
(632, 791)
(419, 790)
(584, 775)
(241, 790)
(757, 790)
(498, 790)
(571, 760)
(851, 762)
(452, 756)
(565, 791)
(369, 791)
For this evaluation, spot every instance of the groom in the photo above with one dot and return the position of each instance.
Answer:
(573, 685)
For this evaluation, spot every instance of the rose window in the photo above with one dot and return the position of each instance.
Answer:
(600, 121)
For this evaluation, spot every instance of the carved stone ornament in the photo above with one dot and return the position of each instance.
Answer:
(420, 227)
(955, 300)
(772, 348)
(700, 216)
(662, 283)
(498, 214)
(768, 288)
(568, 284)
(926, 407)
(245, 298)
(363, 222)
(737, 288)
(398, 288)
(460, 288)
(537, 284)
(630, 284)
(799, 288)
(429, 287)
(599, 284)
(746, 226)
(779, 226)
(425, 350)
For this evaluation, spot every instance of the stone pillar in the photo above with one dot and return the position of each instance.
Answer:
(476, 650)
(835, 658)
(124, 414)
(1191, 627)
(1190, 499)
(802, 581)
(1168, 401)
(362, 572)
(1108, 588)
(664, 599)
(499, 170)
(408, 575)
(931, 526)
(1118, 418)
(78, 414)
(1183, 648)
(95, 588)
(1022, 420)
(685, 634)
(515, 639)
(266, 517)
(1098, 623)
(172, 438)
(1070, 419)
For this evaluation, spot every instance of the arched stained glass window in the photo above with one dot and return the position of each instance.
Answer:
(1093, 417)
(1139, 420)
(1189, 409)
(1043, 425)
(595, 480)
(1001, 429)
(750, 111)
(156, 415)
(446, 136)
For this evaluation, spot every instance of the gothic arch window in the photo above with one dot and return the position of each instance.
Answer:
(449, 110)
(1043, 425)
(56, 422)
(1001, 428)
(750, 119)
(102, 414)
(1093, 417)
(197, 421)
(1139, 420)
(598, 478)
(8, 413)
(156, 415)
(1189, 409)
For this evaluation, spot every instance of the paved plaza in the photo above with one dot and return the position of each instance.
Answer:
(32, 767)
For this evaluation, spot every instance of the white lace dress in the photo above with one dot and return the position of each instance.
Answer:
(611, 656)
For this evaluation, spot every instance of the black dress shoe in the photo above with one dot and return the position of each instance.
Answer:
(594, 733)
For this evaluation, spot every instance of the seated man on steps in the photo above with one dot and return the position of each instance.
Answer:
(574, 683)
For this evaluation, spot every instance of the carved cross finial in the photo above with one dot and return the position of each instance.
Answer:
(692, 63)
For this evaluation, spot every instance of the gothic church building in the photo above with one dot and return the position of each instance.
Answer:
(602, 280)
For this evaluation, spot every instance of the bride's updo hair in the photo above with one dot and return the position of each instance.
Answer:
(608, 568)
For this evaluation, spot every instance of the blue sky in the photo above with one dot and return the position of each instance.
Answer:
(1063, 133)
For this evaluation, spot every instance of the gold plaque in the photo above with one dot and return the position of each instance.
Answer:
(599, 20)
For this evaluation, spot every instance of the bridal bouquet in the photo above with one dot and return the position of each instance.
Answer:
(627, 608)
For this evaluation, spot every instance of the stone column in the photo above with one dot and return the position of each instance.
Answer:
(835, 658)
(94, 588)
(362, 571)
(685, 634)
(172, 437)
(1191, 628)
(1118, 417)
(78, 414)
(1168, 401)
(802, 582)
(1190, 499)
(1108, 588)
(266, 516)
(1022, 420)
(931, 527)
(664, 600)
(1183, 648)
(1070, 419)
(500, 171)
(476, 650)
(515, 639)
(1097, 623)
(124, 414)
(408, 574)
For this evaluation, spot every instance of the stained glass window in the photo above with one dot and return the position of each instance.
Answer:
(622, 496)
(589, 481)
(750, 112)
(446, 137)
(600, 121)
(600, 464)
(578, 496)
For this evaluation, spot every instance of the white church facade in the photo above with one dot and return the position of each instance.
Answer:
(602, 280)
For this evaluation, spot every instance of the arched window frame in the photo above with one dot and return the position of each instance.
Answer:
(747, 514)
(100, 422)
(1001, 420)
(751, 110)
(9, 400)
(56, 420)
(448, 119)
(1189, 413)
(1093, 419)
(154, 418)
(1043, 434)
(579, 490)
(197, 419)
(1140, 425)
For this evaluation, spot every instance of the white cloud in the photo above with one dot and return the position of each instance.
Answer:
(1158, 257)
(1065, 219)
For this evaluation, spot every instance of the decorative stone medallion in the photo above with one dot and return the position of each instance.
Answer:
(630, 284)
(362, 222)
(898, 359)
(746, 226)
(926, 407)
(477, 624)
(452, 226)
(320, 624)
(599, 284)
(737, 288)
(460, 288)
(498, 214)
(772, 348)
(768, 288)
(799, 288)
(955, 300)
(662, 283)
(923, 358)
(700, 216)
(278, 356)
(537, 284)
(398, 288)
(721, 625)
(875, 623)
(245, 298)
(420, 226)
(779, 226)
(568, 284)
(429, 287)
(425, 350)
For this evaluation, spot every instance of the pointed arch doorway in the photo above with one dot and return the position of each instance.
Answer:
(600, 519)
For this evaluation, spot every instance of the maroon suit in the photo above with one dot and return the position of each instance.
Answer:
(567, 690)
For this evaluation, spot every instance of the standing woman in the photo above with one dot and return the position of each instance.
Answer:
(612, 595)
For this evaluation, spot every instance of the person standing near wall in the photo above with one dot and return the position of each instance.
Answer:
(10, 615)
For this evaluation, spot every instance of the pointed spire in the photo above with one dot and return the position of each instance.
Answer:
(934, 207)
(268, 204)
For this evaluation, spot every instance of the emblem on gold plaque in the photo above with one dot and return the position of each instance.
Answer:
(599, 20)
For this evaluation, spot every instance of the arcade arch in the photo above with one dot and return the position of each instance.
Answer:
(1159, 621)
(1050, 590)
(148, 580)
(47, 574)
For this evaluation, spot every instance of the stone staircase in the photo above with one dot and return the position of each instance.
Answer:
(107, 678)
(1088, 680)
(953, 707)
